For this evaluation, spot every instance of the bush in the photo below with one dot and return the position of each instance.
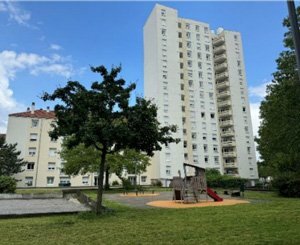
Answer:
(127, 185)
(115, 183)
(157, 183)
(224, 181)
(287, 185)
(7, 184)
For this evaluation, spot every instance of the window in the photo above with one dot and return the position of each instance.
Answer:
(163, 12)
(184, 131)
(198, 37)
(199, 65)
(184, 144)
(206, 159)
(194, 135)
(85, 180)
(188, 35)
(204, 137)
(206, 47)
(216, 160)
(179, 34)
(180, 44)
(34, 123)
(212, 115)
(32, 151)
(30, 166)
(182, 97)
(215, 147)
(194, 146)
(205, 30)
(163, 32)
(202, 114)
(189, 53)
(183, 108)
(144, 178)
(191, 83)
(240, 72)
(207, 57)
(186, 156)
(214, 137)
(199, 55)
(181, 76)
(187, 26)
(244, 109)
(205, 148)
(200, 84)
(180, 55)
(52, 152)
(33, 137)
(190, 63)
(29, 181)
(64, 180)
(235, 37)
(50, 180)
(197, 28)
(179, 25)
(249, 150)
(200, 74)
(183, 120)
(211, 95)
(189, 44)
(51, 166)
(239, 63)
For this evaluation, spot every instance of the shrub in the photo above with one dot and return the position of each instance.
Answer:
(127, 184)
(115, 183)
(7, 184)
(224, 181)
(157, 183)
(287, 185)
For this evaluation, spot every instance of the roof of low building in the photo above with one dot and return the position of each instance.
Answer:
(36, 114)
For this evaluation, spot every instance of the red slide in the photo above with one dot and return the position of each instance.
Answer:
(213, 195)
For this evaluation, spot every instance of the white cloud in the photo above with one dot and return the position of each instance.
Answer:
(16, 13)
(254, 108)
(11, 63)
(55, 47)
(259, 91)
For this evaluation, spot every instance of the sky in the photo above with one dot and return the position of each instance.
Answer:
(45, 44)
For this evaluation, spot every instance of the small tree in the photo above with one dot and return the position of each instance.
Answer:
(102, 118)
(10, 163)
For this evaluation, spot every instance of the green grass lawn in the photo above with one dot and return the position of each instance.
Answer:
(267, 220)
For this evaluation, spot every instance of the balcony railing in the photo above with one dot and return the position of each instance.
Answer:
(228, 143)
(220, 50)
(221, 67)
(230, 154)
(225, 103)
(222, 84)
(220, 58)
(222, 76)
(226, 123)
(219, 41)
(225, 113)
(223, 94)
(227, 133)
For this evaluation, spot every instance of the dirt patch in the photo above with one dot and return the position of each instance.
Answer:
(173, 204)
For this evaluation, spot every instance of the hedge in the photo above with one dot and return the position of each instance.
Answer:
(7, 184)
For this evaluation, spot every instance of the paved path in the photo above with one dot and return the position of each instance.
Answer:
(40, 206)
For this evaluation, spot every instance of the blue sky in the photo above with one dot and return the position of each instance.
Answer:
(43, 44)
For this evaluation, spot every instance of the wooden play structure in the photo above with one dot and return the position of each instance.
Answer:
(189, 188)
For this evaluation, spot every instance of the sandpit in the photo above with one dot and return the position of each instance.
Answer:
(139, 195)
(173, 204)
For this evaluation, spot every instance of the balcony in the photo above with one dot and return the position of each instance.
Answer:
(224, 103)
(222, 84)
(218, 41)
(226, 123)
(223, 94)
(225, 113)
(221, 67)
(220, 50)
(222, 76)
(229, 154)
(220, 58)
(228, 143)
(227, 133)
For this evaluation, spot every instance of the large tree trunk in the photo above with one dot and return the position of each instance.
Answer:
(99, 207)
(107, 178)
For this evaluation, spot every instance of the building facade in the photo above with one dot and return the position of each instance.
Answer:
(45, 167)
(197, 79)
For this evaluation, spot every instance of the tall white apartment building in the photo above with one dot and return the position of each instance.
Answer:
(45, 167)
(197, 80)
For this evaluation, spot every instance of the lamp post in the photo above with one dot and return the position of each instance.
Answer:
(295, 31)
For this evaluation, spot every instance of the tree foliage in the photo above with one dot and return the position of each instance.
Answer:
(10, 163)
(101, 117)
(279, 132)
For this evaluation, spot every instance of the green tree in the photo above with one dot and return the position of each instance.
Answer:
(10, 163)
(279, 132)
(102, 118)
(81, 160)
